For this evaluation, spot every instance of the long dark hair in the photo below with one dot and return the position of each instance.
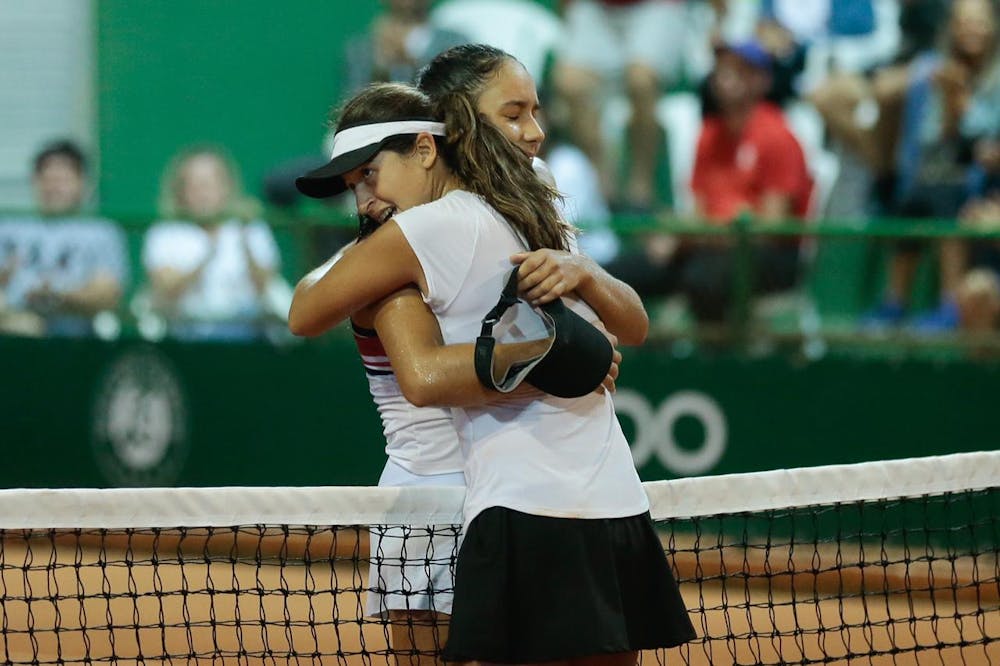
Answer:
(486, 161)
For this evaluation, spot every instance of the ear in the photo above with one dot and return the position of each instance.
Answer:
(426, 149)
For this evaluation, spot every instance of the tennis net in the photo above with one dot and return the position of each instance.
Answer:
(890, 562)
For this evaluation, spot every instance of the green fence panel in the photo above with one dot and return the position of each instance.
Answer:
(94, 414)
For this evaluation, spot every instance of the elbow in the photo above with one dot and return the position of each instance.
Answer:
(420, 398)
(300, 324)
(301, 327)
(418, 387)
(636, 334)
(301, 316)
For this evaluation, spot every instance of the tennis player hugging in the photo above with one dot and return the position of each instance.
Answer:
(559, 562)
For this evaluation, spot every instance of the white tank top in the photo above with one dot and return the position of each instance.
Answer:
(421, 440)
(540, 454)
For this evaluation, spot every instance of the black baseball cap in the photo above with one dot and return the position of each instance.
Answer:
(354, 146)
(573, 364)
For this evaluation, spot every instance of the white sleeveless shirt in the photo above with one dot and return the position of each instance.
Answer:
(537, 454)
(421, 440)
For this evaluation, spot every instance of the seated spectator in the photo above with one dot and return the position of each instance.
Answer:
(211, 263)
(787, 60)
(61, 267)
(747, 163)
(400, 41)
(976, 295)
(933, 158)
(582, 203)
(978, 298)
(639, 43)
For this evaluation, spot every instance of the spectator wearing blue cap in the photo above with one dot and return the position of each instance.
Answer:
(747, 162)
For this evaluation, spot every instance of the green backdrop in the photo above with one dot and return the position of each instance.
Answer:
(90, 413)
(256, 76)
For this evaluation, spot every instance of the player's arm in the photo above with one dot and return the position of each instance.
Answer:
(362, 276)
(432, 373)
(549, 274)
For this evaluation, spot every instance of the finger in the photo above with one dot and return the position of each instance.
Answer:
(608, 385)
(533, 270)
(549, 290)
(528, 280)
(529, 261)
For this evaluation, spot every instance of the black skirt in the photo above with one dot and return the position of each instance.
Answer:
(532, 589)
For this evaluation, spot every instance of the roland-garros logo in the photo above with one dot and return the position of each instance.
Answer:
(140, 421)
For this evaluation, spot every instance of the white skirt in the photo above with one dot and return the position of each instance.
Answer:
(412, 567)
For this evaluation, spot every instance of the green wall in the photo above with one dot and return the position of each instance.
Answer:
(256, 76)
(90, 413)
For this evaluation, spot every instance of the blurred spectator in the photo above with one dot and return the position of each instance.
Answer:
(787, 60)
(849, 81)
(747, 163)
(640, 44)
(211, 263)
(62, 267)
(977, 296)
(400, 41)
(920, 23)
(583, 205)
(526, 29)
(582, 201)
(933, 160)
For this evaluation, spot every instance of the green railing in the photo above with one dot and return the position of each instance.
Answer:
(842, 280)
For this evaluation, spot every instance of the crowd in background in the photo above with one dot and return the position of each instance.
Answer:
(701, 112)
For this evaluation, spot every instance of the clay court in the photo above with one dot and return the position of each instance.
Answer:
(219, 605)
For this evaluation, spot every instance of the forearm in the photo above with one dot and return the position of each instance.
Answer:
(445, 376)
(260, 276)
(169, 284)
(774, 208)
(360, 277)
(309, 315)
(616, 303)
(101, 293)
(428, 371)
(547, 274)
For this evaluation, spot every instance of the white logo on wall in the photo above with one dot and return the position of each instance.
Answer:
(140, 431)
(654, 430)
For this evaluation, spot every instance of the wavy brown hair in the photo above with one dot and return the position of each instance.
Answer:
(486, 161)
(494, 168)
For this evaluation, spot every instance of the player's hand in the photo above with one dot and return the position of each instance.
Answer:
(43, 298)
(546, 274)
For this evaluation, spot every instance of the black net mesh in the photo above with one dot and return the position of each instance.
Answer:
(892, 581)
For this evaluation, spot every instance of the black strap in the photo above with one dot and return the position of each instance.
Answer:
(508, 298)
(485, 343)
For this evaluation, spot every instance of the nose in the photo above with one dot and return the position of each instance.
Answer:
(533, 132)
(363, 199)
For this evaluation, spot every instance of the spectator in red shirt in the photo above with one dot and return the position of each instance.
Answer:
(747, 163)
(747, 160)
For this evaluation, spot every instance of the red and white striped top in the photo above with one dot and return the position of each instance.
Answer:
(422, 440)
